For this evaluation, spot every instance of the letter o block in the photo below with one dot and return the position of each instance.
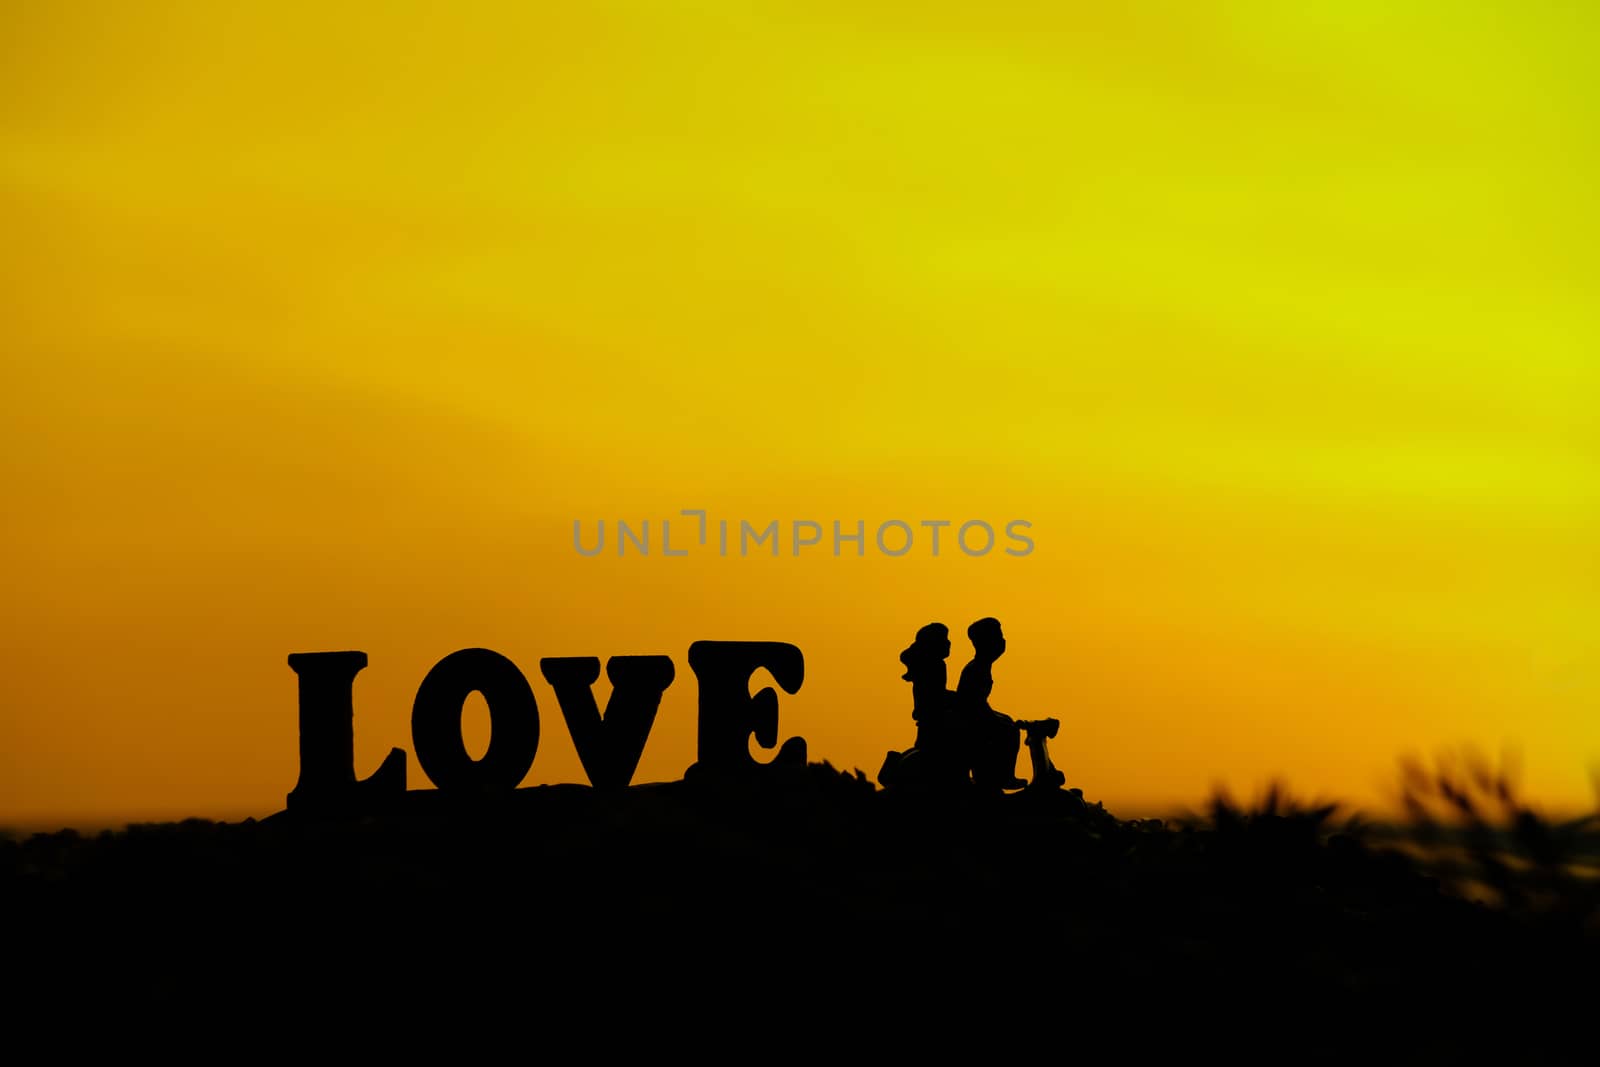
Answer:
(513, 722)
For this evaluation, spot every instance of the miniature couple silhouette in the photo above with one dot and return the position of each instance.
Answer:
(961, 740)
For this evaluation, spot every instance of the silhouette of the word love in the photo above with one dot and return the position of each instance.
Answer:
(608, 746)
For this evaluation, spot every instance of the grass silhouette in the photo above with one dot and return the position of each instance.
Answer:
(879, 923)
(1470, 827)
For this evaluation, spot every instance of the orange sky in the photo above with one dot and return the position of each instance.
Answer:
(321, 329)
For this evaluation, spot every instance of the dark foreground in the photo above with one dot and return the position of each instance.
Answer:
(686, 920)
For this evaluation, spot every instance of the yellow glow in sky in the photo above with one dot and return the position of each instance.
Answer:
(320, 328)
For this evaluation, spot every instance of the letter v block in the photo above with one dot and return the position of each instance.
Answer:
(609, 747)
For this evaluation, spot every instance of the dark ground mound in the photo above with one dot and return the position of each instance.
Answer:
(696, 920)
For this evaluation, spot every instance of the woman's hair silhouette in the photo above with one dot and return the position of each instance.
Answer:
(929, 650)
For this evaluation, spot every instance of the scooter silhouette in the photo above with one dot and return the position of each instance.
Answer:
(1038, 732)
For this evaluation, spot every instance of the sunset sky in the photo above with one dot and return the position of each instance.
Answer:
(321, 325)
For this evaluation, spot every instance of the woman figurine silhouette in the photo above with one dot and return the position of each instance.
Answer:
(926, 671)
(935, 758)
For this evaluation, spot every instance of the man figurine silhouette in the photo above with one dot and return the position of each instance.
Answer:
(991, 738)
